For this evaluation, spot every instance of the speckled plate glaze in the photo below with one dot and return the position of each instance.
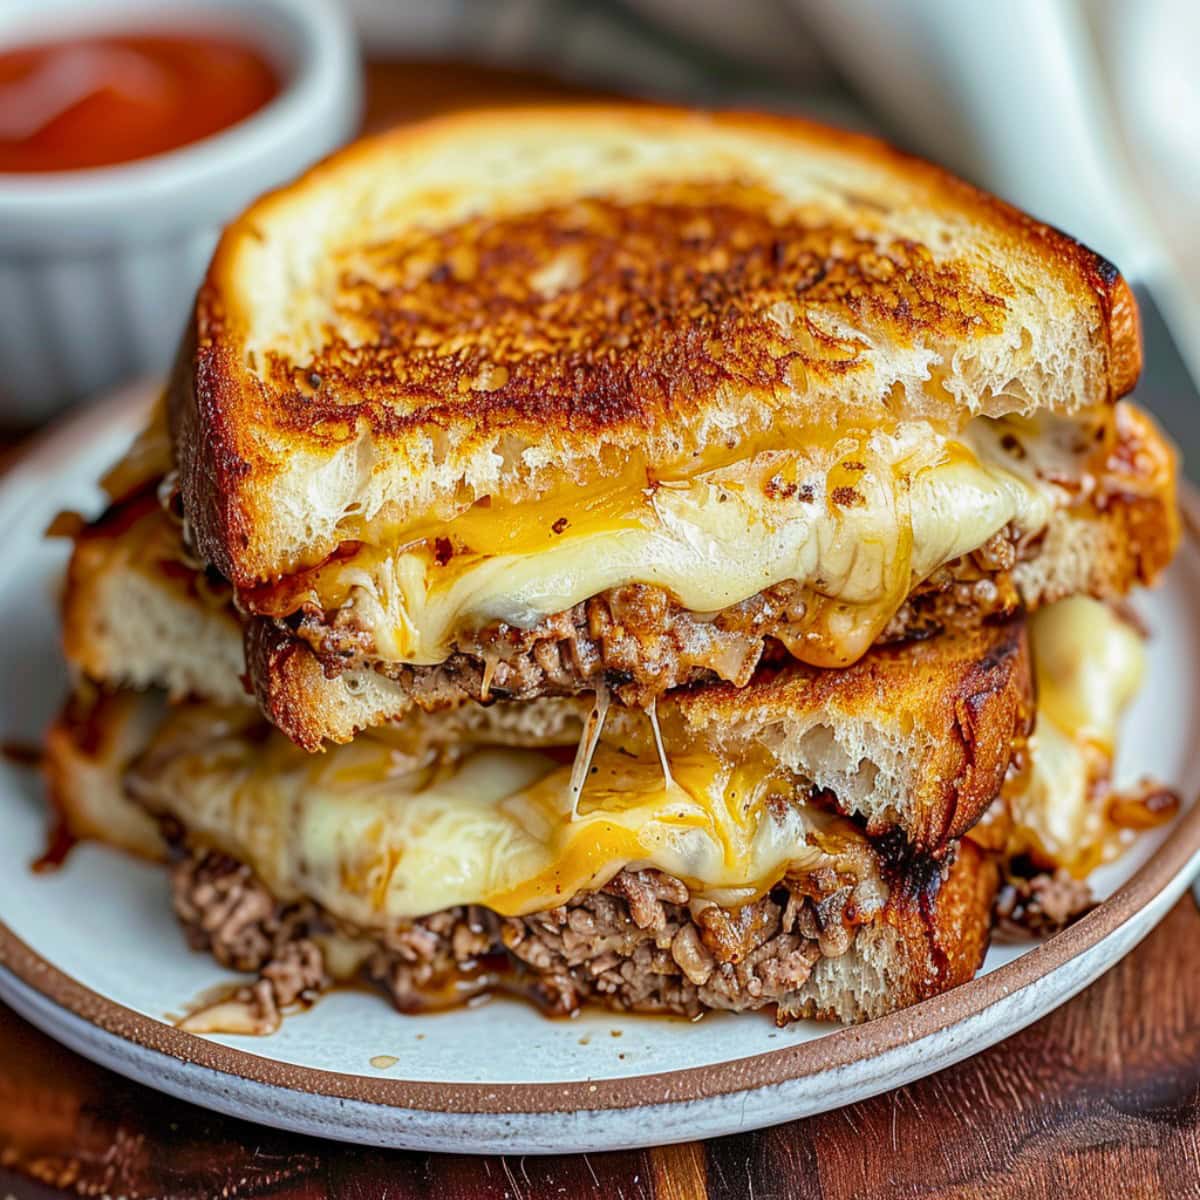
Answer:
(92, 955)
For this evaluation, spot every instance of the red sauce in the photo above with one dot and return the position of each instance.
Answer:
(94, 102)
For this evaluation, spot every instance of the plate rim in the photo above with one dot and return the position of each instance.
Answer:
(839, 1049)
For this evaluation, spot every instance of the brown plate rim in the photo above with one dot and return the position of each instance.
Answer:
(838, 1049)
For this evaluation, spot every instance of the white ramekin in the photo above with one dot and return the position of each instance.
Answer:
(98, 267)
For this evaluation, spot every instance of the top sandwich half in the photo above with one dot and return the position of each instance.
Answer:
(469, 376)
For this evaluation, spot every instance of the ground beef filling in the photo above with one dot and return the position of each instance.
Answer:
(637, 945)
(638, 642)
(1039, 903)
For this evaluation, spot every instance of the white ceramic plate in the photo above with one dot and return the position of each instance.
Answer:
(92, 955)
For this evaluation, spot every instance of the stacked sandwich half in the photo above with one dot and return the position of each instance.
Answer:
(607, 554)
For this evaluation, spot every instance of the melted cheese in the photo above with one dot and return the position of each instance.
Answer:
(373, 840)
(856, 517)
(1089, 665)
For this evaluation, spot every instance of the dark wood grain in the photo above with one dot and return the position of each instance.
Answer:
(1099, 1099)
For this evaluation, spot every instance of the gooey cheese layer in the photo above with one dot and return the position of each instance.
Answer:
(857, 517)
(374, 839)
(1088, 664)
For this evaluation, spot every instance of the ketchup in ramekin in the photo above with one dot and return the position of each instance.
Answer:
(99, 101)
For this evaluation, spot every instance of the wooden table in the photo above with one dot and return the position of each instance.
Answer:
(1099, 1099)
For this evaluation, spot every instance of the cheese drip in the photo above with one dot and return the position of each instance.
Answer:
(856, 517)
(374, 838)
(1088, 664)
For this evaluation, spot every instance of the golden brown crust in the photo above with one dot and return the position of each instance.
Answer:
(932, 936)
(461, 329)
(1141, 535)
(654, 333)
(956, 926)
(203, 396)
(1124, 329)
(294, 693)
(1102, 553)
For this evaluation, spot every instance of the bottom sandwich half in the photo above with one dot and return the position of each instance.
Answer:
(818, 843)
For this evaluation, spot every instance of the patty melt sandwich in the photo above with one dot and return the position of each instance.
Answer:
(607, 554)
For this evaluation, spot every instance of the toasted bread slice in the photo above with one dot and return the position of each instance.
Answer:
(917, 737)
(926, 942)
(137, 613)
(507, 304)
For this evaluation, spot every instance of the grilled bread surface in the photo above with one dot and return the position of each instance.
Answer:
(503, 304)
